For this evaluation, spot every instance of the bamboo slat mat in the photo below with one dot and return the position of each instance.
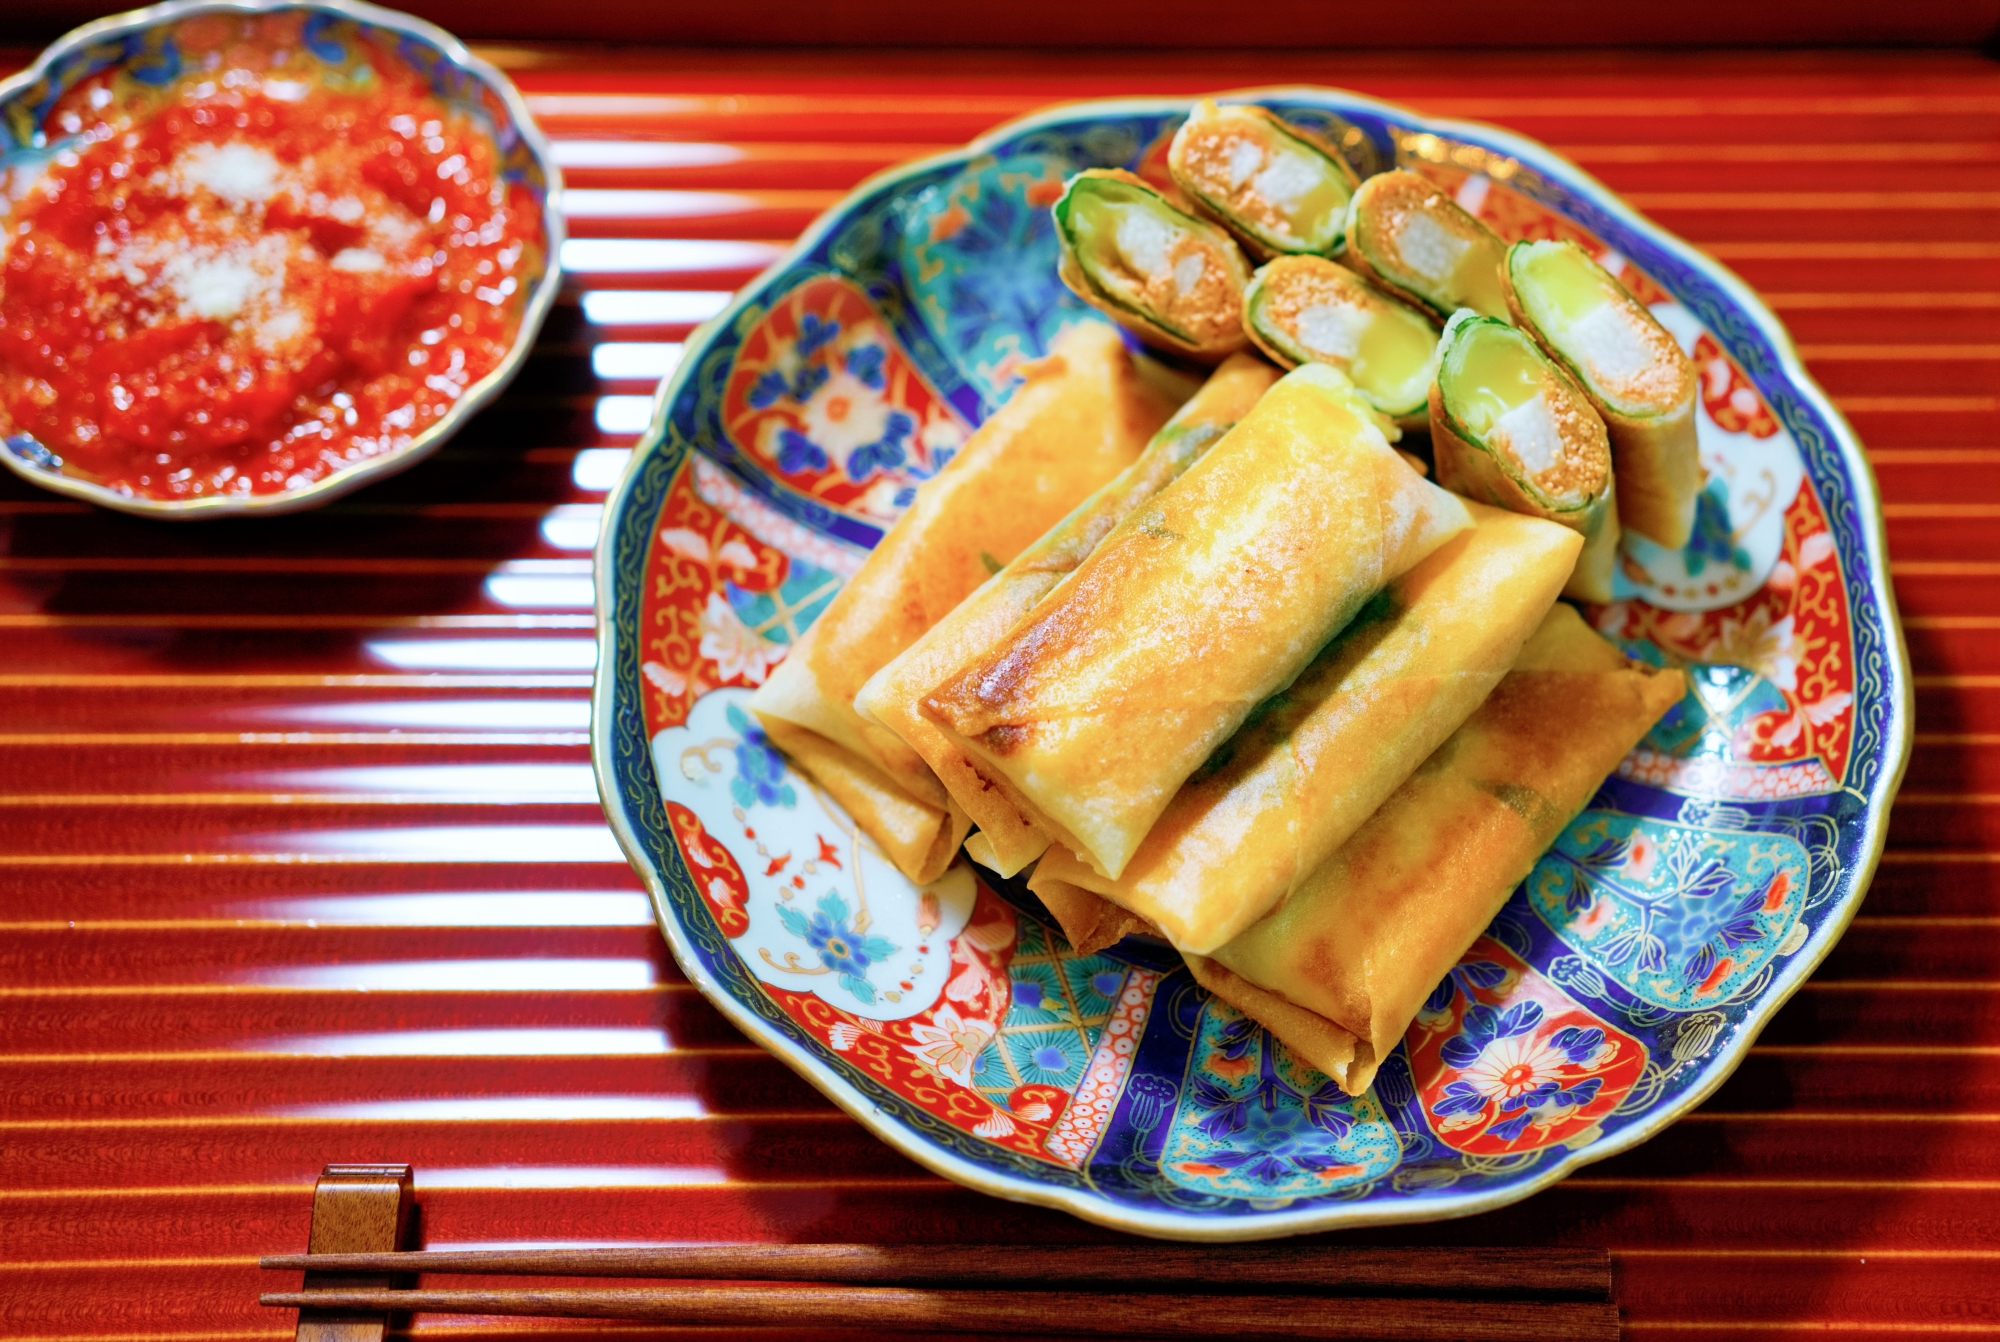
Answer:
(213, 980)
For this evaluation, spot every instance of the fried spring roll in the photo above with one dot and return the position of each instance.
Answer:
(1315, 762)
(1278, 188)
(1172, 279)
(1009, 838)
(1195, 609)
(1089, 921)
(919, 837)
(1339, 970)
(1509, 428)
(1079, 417)
(1306, 309)
(1635, 373)
(1414, 240)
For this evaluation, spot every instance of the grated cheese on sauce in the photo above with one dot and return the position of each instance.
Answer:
(239, 173)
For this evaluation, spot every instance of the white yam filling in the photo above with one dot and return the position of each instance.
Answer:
(1187, 272)
(1613, 348)
(1529, 431)
(1144, 241)
(1429, 248)
(1287, 181)
(1333, 331)
(1246, 157)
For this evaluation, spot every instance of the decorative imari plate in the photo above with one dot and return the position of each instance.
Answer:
(1624, 980)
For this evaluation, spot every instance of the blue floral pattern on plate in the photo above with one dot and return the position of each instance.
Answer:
(1255, 1122)
(972, 248)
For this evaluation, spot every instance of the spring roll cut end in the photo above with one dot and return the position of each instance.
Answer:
(1172, 279)
(1633, 370)
(1413, 239)
(1307, 309)
(1277, 187)
(1510, 428)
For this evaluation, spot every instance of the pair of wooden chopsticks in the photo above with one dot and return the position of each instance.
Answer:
(1291, 1291)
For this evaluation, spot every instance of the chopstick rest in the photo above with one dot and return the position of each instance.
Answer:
(356, 1209)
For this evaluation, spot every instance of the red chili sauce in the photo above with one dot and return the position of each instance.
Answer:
(257, 282)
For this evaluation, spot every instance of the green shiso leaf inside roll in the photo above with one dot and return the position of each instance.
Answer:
(1509, 428)
(1306, 309)
(1280, 189)
(1174, 280)
(1634, 372)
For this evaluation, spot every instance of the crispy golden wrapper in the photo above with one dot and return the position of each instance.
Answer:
(1636, 374)
(1089, 921)
(1340, 969)
(1008, 837)
(1415, 241)
(1195, 609)
(1279, 188)
(1306, 309)
(1174, 280)
(1078, 418)
(1509, 428)
(1316, 760)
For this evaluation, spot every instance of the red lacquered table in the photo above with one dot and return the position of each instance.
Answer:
(301, 861)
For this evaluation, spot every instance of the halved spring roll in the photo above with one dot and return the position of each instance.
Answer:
(1078, 418)
(1415, 241)
(1339, 970)
(1280, 189)
(1314, 762)
(1008, 837)
(1509, 428)
(1636, 374)
(1174, 280)
(1194, 610)
(1306, 309)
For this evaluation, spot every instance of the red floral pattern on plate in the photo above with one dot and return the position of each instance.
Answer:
(1731, 401)
(1505, 1061)
(928, 1059)
(714, 870)
(691, 640)
(823, 396)
(1796, 633)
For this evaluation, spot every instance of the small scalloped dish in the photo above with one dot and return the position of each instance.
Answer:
(1624, 979)
(185, 263)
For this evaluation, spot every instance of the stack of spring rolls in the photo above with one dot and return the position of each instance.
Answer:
(1238, 673)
